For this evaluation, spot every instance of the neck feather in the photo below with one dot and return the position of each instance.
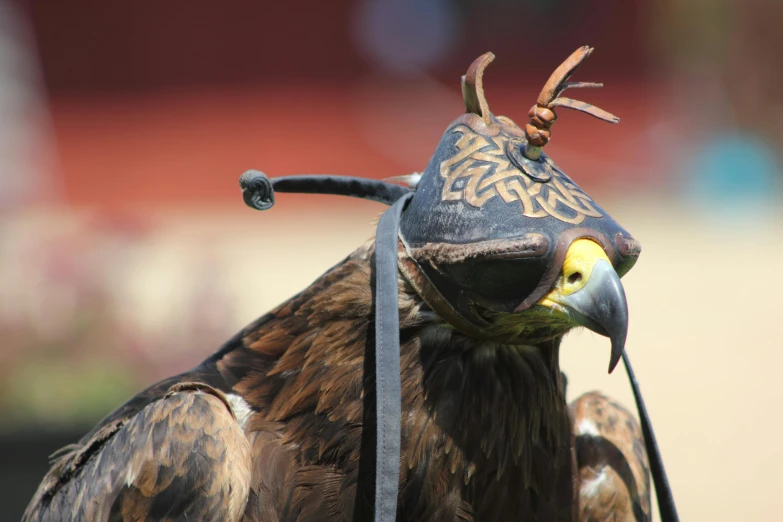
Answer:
(502, 406)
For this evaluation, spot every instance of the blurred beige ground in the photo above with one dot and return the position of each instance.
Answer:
(704, 336)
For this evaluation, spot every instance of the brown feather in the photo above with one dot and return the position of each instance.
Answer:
(181, 456)
(613, 467)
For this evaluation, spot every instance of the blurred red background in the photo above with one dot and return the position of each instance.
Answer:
(168, 102)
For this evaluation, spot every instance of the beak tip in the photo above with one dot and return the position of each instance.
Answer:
(618, 345)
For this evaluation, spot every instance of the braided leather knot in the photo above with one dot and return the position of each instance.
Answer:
(537, 131)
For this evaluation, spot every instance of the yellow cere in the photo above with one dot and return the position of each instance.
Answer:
(580, 259)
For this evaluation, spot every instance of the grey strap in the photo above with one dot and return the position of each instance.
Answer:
(387, 364)
(663, 490)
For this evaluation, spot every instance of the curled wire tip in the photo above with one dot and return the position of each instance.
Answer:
(257, 191)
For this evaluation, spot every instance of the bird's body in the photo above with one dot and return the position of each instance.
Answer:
(270, 427)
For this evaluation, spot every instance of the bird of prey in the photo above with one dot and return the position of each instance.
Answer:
(498, 254)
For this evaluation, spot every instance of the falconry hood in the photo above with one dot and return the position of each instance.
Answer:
(483, 232)
(493, 216)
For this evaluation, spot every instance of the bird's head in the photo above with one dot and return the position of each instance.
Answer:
(500, 242)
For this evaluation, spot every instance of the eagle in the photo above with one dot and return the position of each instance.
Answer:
(494, 254)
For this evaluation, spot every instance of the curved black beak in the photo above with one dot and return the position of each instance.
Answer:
(600, 306)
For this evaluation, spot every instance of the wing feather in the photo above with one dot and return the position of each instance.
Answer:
(614, 474)
(183, 456)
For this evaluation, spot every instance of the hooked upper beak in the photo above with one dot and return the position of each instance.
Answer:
(589, 292)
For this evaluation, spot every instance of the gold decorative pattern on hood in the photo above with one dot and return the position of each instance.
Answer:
(482, 170)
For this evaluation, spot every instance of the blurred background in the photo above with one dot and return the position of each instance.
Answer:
(127, 255)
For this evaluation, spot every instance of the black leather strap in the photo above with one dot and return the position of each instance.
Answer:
(387, 364)
(663, 490)
(371, 189)
(258, 189)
